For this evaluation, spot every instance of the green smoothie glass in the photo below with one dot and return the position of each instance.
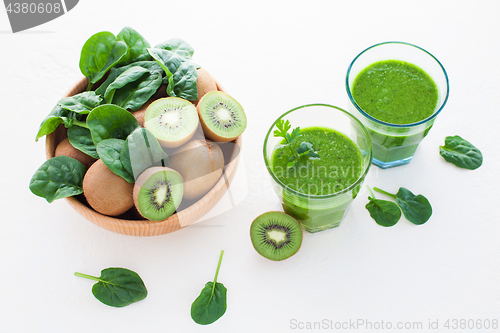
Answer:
(320, 211)
(395, 144)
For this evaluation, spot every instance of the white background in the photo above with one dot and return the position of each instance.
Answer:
(271, 56)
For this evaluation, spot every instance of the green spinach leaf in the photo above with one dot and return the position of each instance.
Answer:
(134, 94)
(100, 53)
(109, 151)
(58, 177)
(416, 208)
(117, 287)
(81, 139)
(461, 152)
(137, 45)
(181, 74)
(130, 75)
(110, 121)
(385, 213)
(141, 151)
(178, 46)
(56, 117)
(81, 103)
(211, 304)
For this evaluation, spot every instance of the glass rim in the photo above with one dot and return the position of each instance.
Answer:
(432, 116)
(324, 196)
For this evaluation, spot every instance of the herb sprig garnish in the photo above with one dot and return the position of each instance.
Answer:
(305, 148)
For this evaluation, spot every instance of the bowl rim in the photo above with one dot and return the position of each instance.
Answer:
(146, 227)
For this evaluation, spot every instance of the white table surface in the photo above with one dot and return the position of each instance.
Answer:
(271, 57)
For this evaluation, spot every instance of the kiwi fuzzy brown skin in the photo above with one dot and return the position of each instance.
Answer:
(106, 192)
(139, 114)
(204, 83)
(64, 148)
(200, 163)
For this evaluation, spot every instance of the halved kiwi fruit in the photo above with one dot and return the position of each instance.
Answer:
(172, 120)
(158, 192)
(222, 117)
(276, 235)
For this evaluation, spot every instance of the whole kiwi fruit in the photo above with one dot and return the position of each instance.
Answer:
(106, 192)
(64, 148)
(200, 163)
(276, 235)
(205, 83)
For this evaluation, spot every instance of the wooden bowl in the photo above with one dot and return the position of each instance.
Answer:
(130, 223)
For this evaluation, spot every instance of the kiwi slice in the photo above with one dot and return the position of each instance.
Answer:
(222, 117)
(276, 235)
(158, 192)
(172, 120)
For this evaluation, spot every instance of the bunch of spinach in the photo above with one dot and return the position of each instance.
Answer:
(211, 304)
(305, 148)
(117, 287)
(416, 208)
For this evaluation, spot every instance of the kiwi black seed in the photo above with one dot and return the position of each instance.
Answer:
(222, 117)
(172, 120)
(276, 235)
(157, 193)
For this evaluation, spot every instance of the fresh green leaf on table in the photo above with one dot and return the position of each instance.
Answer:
(81, 139)
(81, 103)
(57, 178)
(137, 46)
(211, 304)
(461, 152)
(109, 151)
(416, 208)
(141, 151)
(117, 287)
(110, 121)
(99, 54)
(385, 213)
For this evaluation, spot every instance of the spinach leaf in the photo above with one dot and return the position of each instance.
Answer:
(110, 121)
(99, 53)
(416, 208)
(141, 151)
(58, 177)
(81, 103)
(181, 74)
(109, 151)
(211, 304)
(134, 94)
(178, 46)
(56, 117)
(385, 213)
(81, 139)
(130, 75)
(117, 287)
(461, 152)
(137, 45)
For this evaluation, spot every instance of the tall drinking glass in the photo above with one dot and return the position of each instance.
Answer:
(395, 144)
(320, 211)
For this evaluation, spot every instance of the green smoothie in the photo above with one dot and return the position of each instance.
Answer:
(395, 92)
(338, 166)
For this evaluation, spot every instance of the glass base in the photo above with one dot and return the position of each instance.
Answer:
(392, 164)
(313, 230)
